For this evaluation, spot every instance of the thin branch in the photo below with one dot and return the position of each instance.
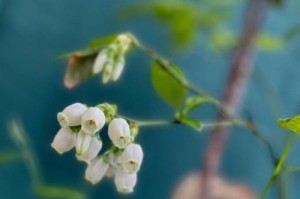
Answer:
(279, 166)
(234, 91)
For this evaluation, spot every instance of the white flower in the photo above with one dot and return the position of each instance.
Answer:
(71, 115)
(83, 141)
(131, 158)
(96, 170)
(64, 140)
(92, 120)
(111, 171)
(119, 132)
(100, 61)
(92, 151)
(118, 68)
(125, 182)
(114, 164)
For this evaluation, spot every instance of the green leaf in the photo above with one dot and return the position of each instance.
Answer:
(103, 41)
(80, 68)
(194, 123)
(269, 42)
(47, 191)
(194, 102)
(277, 2)
(292, 124)
(166, 85)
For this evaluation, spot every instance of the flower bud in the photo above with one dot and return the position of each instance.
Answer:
(118, 68)
(64, 140)
(83, 141)
(92, 151)
(107, 73)
(96, 170)
(100, 61)
(92, 120)
(109, 110)
(125, 182)
(125, 41)
(131, 158)
(119, 133)
(71, 115)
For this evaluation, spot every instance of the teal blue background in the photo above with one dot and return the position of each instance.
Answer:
(33, 33)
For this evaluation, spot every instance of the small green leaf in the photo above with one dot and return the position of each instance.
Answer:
(166, 85)
(292, 124)
(103, 41)
(194, 123)
(80, 68)
(269, 42)
(194, 102)
(47, 191)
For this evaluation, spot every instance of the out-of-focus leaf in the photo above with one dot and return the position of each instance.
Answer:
(57, 192)
(166, 85)
(269, 42)
(277, 2)
(79, 68)
(292, 32)
(194, 102)
(194, 123)
(7, 157)
(184, 19)
(292, 124)
(180, 18)
(103, 41)
(222, 39)
(222, 2)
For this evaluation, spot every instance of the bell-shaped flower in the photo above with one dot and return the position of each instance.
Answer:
(119, 132)
(71, 115)
(131, 158)
(118, 68)
(83, 141)
(64, 140)
(92, 120)
(96, 170)
(92, 151)
(100, 61)
(125, 182)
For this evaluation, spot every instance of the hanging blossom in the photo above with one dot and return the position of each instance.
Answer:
(111, 60)
(80, 129)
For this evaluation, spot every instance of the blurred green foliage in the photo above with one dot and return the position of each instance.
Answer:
(26, 153)
(184, 19)
(187, 21)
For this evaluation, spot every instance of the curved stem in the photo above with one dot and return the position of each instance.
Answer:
(279, 166)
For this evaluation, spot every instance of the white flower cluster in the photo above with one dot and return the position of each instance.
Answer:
(80, 126)
(111, 59)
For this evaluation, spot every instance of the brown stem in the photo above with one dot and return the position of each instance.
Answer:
(234, 90)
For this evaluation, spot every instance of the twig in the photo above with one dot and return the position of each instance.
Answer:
(234, 90)
(279, 166)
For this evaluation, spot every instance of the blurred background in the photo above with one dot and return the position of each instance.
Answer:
(196, 35)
